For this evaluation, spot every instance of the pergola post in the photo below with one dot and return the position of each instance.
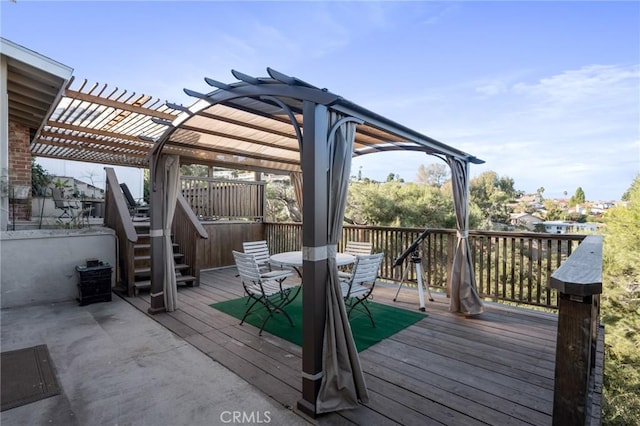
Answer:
(157, 189)
(4, 146)
(315, 162)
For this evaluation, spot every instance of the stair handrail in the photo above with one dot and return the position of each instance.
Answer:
(195, 222)
(118, 218)
(123, 218)
(190, 236)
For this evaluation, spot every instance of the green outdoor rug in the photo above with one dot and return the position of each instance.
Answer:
(389, 320)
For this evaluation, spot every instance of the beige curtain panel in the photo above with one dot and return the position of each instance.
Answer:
(172, 186)
(343, 382)
(462, 283)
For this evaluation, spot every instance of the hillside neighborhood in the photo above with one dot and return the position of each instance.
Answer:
(555, 216)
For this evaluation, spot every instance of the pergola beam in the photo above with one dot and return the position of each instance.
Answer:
(235, 152)
(231, 136)
(118, 105)
(88, 130)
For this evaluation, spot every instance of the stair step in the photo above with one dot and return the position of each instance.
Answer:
(146, 284)
(147, 270)
(148, 257)
(142, 285)
(185, 278)
(148, 245)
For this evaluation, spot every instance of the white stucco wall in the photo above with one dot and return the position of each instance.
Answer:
(38, 266)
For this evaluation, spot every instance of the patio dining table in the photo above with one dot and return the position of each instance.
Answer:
(293, 259)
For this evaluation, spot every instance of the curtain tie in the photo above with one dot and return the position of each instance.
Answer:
(312, 376)
(463, 234)
(153, 233)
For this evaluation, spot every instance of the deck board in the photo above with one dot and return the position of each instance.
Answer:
(496, 368)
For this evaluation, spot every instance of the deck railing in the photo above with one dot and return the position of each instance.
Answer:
(116, 217)
(580, 338)
(509, 266)
(212, 198)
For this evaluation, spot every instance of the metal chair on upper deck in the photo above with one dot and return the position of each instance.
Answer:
(136, 208)
(265, 290)
(63, 204)
(357, 288)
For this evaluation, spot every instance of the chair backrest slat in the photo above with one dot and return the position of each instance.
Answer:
(247, 267)
(366, 268)
(358, 248)
(258, 249)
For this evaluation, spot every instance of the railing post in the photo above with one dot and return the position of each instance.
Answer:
(451, 247)
(579, 285)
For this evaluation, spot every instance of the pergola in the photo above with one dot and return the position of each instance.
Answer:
(277, 124)
(281, 124)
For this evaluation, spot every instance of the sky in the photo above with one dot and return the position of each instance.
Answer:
(546, 93)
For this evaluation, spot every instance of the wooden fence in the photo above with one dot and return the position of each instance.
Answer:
(212, 199)
(509, 266)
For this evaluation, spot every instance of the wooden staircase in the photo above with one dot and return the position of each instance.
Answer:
(142, 260)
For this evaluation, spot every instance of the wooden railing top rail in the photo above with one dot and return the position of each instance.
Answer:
(195, 222)
(222, 180)
(581, 273)
(509, 234)
(121, 205)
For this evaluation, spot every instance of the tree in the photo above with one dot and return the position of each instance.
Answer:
(393, 177)
(434, 174)
(492, 194)
(40, 179)
(145, 186)
(197, 170)
(620, 307)
(577, 198)
(281, 204)
(635, 186)
(409, 204)
(91, 175)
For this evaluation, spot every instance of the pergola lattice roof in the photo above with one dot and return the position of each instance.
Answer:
(229, 127)
(101, 125)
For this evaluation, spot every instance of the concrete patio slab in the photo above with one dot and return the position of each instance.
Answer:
(116, 366)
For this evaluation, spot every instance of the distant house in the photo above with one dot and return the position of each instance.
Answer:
(76, 188)
(562, 227)
(579, 209)
(532, 201)
(524, 220)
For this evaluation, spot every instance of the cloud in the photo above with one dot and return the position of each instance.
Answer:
(603, 82)
(573, 128)
(493, 88)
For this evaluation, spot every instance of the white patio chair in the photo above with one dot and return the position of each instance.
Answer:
(359, 248)
(260, 251)
(355, 248)
(265, 290)
(358, 287)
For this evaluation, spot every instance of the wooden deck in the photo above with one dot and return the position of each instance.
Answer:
(495, 369)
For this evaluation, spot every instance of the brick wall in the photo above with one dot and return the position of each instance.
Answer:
(19, 170)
